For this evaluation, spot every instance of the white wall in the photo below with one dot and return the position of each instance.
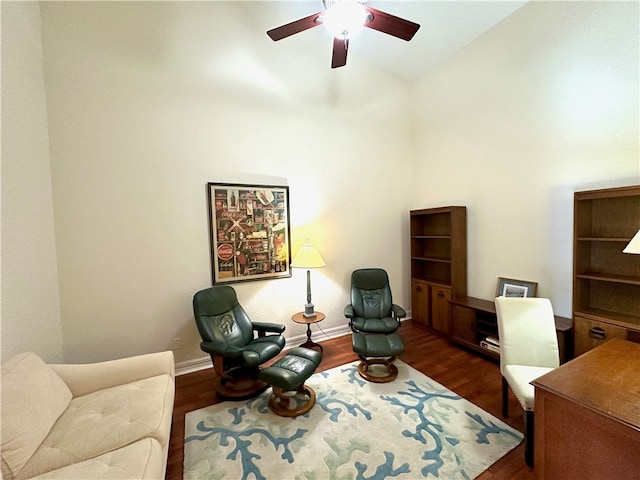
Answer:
(30, 300)
(146, 104)
(138, 127)
(544, 104)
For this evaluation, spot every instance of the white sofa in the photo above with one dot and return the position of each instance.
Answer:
(108, 420)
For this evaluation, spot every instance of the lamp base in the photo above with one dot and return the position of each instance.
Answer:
(308, 310)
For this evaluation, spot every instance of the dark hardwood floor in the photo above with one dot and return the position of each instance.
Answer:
(468, 374)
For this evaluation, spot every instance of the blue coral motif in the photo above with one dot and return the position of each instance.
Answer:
(342, 455)
(324, 401)
(488, 428)
(352, 378)
(242, 444)
(422, 402)
(260, 403)
(452, 441)
(384, 470)
(237, 415)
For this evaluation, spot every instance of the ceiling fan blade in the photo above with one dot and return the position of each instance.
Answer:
(339, 57)
(292, 28)
(391, 25)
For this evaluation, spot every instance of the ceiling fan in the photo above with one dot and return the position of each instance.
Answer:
(344, 18)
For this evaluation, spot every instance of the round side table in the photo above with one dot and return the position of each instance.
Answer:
(300, 318)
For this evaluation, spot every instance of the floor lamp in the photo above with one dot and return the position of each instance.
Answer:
(308, 257)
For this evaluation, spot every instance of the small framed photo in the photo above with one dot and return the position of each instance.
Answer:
(508, 287)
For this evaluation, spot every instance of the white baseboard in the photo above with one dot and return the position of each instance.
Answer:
(201, 363)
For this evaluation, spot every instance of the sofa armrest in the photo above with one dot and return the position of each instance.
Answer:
(83, 379)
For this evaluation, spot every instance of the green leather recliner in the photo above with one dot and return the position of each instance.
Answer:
(374, 319)
(372, 309)
(228, 335)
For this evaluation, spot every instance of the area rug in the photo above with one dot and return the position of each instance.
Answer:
(410, 428)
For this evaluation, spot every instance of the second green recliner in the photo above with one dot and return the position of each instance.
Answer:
(374, 319)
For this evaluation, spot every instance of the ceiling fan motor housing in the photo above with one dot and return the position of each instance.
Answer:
(344, 18)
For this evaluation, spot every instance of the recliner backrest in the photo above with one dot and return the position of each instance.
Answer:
(220, 317)
(370, 293)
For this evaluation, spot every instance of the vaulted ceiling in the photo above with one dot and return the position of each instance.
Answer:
(223, 46)
(445, 27)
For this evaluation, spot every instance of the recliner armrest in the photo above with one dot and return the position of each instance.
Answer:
(398, 311)
(349, 312)
(217, 348)
(266, 327)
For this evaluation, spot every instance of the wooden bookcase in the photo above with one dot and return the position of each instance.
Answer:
(438, 264)
(606, 282)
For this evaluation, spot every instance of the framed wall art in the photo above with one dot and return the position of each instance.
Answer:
(249, 232)
(508, 287)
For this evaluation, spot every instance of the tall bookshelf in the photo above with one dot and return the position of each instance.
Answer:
(606, 282)
(438, 264)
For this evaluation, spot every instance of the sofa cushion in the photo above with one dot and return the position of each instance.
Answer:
(140, 460)
(103, 421)
(33, 398)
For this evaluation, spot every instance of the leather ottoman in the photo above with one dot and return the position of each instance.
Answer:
(290, 396)
(377, 349)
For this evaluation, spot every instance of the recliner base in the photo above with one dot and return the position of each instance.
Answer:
(281, 400)
(238, 388)
(236, 383)
(377, 349)
(365, 363)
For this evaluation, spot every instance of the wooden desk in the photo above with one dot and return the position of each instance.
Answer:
(587, 416)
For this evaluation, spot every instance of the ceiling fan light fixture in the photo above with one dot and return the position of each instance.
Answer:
(345, 18)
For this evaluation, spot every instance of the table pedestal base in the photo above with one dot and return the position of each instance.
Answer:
(301, 318)
(310, 343)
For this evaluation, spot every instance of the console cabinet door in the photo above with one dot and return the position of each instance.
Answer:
(420, 302)
(441, 309)
(464, 324)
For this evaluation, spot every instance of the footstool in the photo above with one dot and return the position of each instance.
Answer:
(287, 377)
(377, 349)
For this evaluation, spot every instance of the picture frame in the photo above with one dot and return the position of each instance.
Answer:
(249, 232)
(509, 287)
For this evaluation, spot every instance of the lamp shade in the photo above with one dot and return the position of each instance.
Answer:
(307, 257)
(634, 244)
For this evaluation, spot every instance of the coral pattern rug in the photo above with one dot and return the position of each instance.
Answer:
(410, 428)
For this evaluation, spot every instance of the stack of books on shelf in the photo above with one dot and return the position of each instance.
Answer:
(491, 343)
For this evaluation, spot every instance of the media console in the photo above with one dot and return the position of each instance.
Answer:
(474, 319)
